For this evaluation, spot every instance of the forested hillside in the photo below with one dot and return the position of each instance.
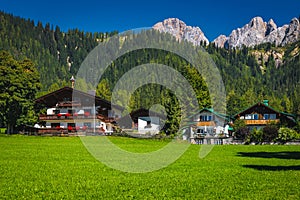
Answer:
(57, 54)
(249, 74)
(254, 74)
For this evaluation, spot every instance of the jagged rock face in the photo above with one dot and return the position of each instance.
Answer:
(249, 35)
(292, 32)
(257, 32)
(221, 41)
(181, 31)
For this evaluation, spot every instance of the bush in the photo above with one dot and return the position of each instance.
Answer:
(242, 133)
(287, 134)
(256, 136)
(270, 133)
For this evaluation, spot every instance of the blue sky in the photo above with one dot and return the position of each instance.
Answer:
(214, 17)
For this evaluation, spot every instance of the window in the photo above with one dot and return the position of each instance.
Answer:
(248, 116)
(71, 124)
(272, 116)
(88, 110)
(266, 116)
(87, 124)
(55, 125)
(66, 99)
(206, 118)
(255, 116)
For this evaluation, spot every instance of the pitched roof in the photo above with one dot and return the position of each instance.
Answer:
(211, 110)
(266, 106)
(51, 99)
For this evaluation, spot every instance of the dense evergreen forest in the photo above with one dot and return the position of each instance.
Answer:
(56, 54)
(249, 74)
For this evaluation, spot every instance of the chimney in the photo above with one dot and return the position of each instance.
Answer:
(266, 102)
(72, 81)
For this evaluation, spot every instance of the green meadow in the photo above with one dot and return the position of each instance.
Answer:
(61, 168)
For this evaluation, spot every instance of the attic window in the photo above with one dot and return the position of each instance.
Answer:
(206, 118)
(272, 116)
(266, 116)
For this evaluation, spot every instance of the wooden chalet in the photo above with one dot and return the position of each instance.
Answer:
(210, 122)
(260, 114)
(209, 127)
(72, 111)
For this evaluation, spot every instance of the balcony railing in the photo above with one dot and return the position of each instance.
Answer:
(206, 123)
(260, 121)
(63, 116)
(70, 116)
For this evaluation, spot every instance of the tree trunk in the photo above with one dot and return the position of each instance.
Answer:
(10, 129)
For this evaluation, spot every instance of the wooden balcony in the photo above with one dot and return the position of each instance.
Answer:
(106, 119)
(68, 131)
(64, 117)
(73, 117)
(207, 123)
(260, 121)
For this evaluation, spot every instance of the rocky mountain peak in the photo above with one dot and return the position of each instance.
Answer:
(181, 31)
(271, 26)
(221, 41)
(257, 23)
(257, 32)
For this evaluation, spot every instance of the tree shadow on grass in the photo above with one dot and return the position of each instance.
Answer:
(273, 168)
(281, 155)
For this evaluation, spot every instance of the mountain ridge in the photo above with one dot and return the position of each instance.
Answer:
(256, 32)
(181, 31)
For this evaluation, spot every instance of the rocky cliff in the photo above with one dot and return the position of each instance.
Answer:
(181, 31)
(257, 32)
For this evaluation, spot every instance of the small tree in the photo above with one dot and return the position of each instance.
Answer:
(241, 130)
(270, 133)
(256, 136)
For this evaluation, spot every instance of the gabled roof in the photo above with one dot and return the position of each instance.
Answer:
(143, 112)
(262, 104)
(211, 110)
(51, 99)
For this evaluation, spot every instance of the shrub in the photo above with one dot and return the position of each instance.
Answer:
(256, 136)
(270, 133)
(242, 133)
(287, 134)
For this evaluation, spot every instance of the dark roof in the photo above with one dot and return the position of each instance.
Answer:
(51, 99)
(262, 104)
(143, 112)
(133, 116)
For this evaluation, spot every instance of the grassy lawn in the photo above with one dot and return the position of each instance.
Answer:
(61, 168)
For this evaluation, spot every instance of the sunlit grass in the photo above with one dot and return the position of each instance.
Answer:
(61, 168)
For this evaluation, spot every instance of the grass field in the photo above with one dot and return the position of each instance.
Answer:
(61, 168)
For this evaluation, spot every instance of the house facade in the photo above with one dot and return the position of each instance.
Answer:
(211, 123)
(71, 111)
(149, 125)
(260, 114)
(141, 121)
